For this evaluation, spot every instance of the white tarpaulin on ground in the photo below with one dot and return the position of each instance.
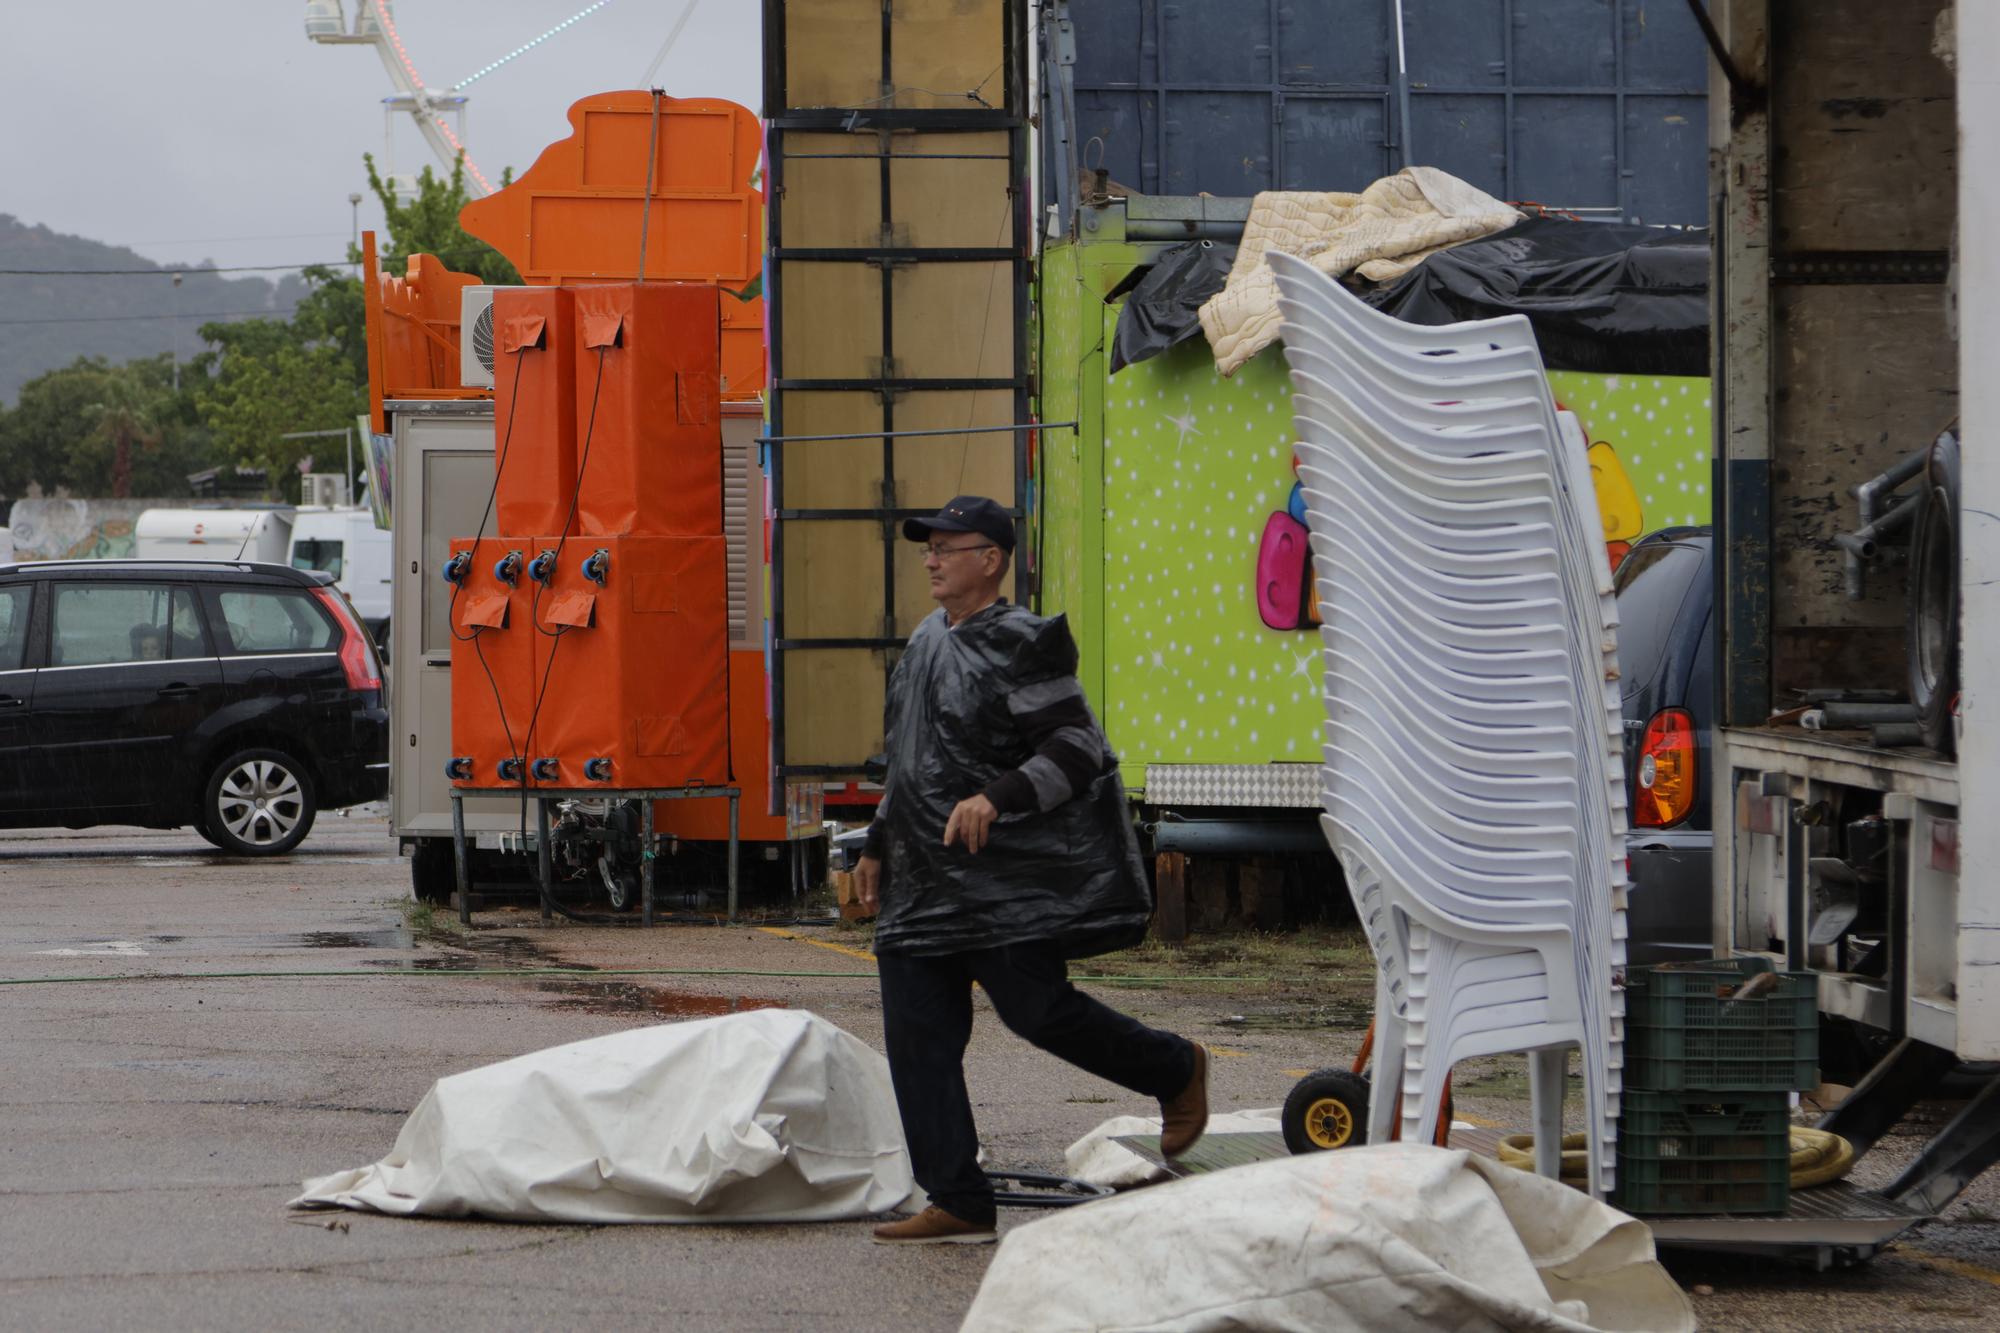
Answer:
(1097, 1159)
(770, 1116)
(1375, 1239)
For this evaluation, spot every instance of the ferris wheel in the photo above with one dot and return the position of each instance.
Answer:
(439, 114)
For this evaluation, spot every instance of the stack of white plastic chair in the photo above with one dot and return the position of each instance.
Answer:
(1472, 781)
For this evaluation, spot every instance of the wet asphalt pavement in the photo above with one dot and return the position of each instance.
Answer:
(155, 1128)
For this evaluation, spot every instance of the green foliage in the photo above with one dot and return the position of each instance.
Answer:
(99, 429)
(265, 379)
(428, 224)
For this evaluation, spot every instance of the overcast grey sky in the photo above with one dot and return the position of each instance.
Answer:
(214, 129)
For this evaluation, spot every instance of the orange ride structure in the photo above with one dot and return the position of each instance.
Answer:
(607, 619)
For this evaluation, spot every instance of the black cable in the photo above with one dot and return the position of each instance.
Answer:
(451, 621)
(534, 603)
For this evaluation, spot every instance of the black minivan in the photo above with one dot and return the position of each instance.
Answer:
(241, 698)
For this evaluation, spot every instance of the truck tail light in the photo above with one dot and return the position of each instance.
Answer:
(1666, 781)
(357, 653)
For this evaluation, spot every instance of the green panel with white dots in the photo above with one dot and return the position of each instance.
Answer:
(1193, 467)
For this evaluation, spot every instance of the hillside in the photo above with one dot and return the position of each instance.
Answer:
(49, 321)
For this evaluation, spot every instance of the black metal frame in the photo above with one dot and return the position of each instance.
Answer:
(782, 119)
(544, 865)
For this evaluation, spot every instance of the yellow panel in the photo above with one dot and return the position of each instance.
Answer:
(953, 321)
(833, 579)
(952, 201)
(929, 471)
(843, 735)
(939, 50)
(837, 474)
(832, 320)
(831, 202)
(833, 53)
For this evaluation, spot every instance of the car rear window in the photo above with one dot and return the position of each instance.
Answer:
(14, 625)
(1653, 584)
(275, 620)
(100, 624)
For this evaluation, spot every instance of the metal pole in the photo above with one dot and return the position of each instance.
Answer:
(919, 434)
(646, 861)
(463, 881)
(543, 865)
(735, 799)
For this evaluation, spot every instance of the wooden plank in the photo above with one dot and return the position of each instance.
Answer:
(833, 321)
(833, 579)
(1170, 897)
(833, 53)
(824, 732)
(940, 50)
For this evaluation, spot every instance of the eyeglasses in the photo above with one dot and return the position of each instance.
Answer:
(940, 552)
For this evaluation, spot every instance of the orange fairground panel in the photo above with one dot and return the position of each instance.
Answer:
(493, 662)
(649, 444)
(635, 692)
(582, 212)
(534, 408)
(412, 325)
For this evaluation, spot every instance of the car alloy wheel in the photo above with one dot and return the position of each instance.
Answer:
(259, 803)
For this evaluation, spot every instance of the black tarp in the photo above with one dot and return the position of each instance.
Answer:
(1164, 307)
(1602, 296)
(1071, 875)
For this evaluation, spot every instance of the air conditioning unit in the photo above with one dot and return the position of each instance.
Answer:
(325, 489)
(475, 336)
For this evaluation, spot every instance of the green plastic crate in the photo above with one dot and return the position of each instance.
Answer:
(1702, 1153)
(1683, 1032)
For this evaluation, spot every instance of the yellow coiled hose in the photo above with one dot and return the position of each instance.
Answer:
(1818, 1157)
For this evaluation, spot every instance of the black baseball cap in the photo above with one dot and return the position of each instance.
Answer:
(966, 513)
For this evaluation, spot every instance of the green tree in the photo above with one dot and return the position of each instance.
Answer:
(92, 428)
(263, 379)
(428, 224)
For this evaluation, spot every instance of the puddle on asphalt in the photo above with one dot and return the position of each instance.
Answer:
(393, 938)
(478, 952)
(613, 997)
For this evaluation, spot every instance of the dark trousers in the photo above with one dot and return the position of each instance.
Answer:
(927, 1021)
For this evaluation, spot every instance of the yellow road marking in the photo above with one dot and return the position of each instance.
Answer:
(1474, 1120)
(1977, 1272)
(1295, 1073)
(862, 954)
(1226, 1053)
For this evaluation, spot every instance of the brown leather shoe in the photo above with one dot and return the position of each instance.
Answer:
(1185, 1115)
(934, 1226)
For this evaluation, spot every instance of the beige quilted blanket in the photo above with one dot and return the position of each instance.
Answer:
(1383, 232)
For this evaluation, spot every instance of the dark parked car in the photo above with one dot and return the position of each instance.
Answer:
(1666, 662)
(240, 698)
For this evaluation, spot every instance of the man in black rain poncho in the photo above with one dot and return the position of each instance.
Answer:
(1002, 849)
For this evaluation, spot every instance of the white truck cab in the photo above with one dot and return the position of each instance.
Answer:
(345, 542)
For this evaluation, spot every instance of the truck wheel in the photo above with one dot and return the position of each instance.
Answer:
(1932, 618)
(1326, 1109)
(259, 803)
(433, 878)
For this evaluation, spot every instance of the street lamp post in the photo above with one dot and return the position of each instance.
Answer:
(354, 204)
